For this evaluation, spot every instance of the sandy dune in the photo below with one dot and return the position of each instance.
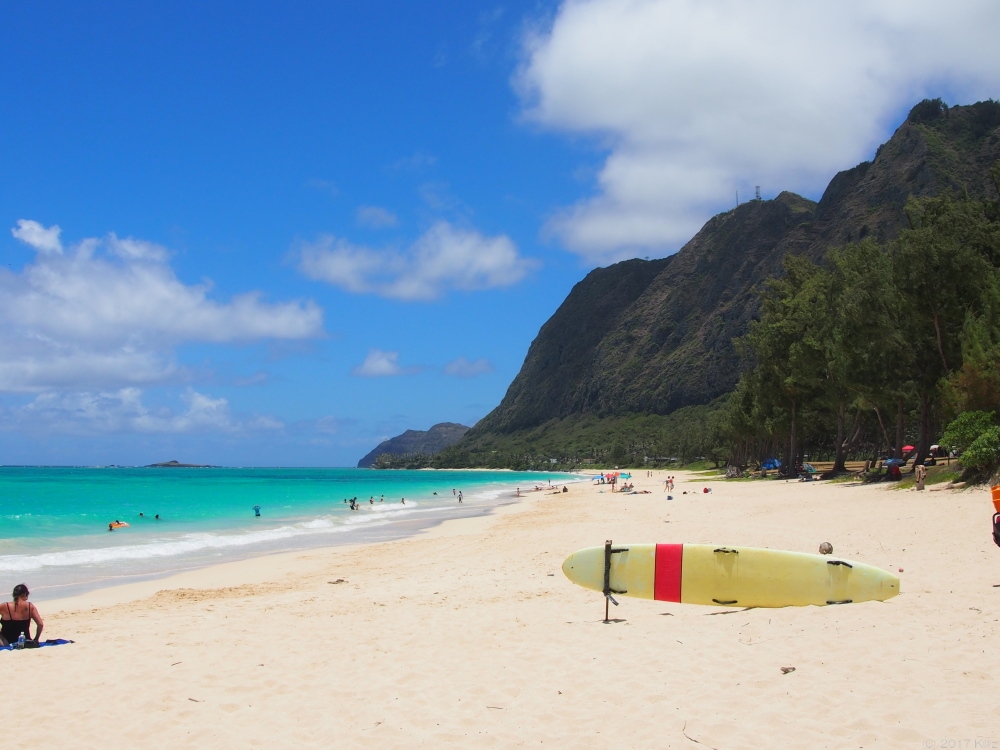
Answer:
(470, 635)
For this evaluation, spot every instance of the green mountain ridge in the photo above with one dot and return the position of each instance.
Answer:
(642, 338)
(414, 442)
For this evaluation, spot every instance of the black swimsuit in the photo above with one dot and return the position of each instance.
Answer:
(11, 629)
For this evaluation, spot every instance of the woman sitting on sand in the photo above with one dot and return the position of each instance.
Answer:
(16, 617)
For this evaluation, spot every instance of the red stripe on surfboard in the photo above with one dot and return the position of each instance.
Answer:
(667, 578)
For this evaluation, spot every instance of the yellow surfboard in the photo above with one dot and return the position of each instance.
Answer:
(729, 576)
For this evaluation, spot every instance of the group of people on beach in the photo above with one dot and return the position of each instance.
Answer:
(668, 484)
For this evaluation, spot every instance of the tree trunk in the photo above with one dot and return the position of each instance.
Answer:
(924, 443)
(899, 428)
(790, 466)
(840, 455)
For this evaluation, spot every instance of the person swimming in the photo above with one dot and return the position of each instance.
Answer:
(256, 511)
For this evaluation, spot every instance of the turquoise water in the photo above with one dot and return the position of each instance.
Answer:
(54, 521)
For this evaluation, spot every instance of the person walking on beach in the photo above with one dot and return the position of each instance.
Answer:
(921, 473)
(16, 617)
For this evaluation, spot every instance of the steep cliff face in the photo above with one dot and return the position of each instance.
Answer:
(653, 336)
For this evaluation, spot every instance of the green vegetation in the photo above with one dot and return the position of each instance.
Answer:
(579, 442)
(880, 345)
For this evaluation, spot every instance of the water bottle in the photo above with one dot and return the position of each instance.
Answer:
(20, 640)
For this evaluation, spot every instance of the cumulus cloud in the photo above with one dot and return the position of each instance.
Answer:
(376, 217)
(108, 312)
(444, 257)
(694, 99)
(380, 364)
(123, 411)
(463, 368)
(44, 240)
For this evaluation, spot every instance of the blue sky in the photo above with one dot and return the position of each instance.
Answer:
(276, 233)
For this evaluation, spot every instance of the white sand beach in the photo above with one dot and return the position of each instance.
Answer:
(469, 635)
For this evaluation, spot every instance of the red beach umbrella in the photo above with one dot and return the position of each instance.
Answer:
(908, 448)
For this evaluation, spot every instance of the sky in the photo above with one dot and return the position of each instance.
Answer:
(276, 234)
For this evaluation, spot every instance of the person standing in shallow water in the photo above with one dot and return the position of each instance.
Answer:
(16, 617)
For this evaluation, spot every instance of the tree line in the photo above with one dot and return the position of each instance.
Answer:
(879, 345)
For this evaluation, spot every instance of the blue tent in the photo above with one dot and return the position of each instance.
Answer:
(770, 463)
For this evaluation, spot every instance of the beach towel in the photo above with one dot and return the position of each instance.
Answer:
(43, 644)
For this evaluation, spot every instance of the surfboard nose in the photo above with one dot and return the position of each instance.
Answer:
(586, 568)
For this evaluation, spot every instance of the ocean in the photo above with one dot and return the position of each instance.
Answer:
(54, 520)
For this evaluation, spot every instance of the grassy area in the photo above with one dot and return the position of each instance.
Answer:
(935, 475)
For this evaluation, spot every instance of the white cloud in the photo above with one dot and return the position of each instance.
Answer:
(380, 364)
(109, 312)
(376, 217)
(123, 411)
(131, 249)
(419, 159)
(694, 99)
(34, 234)
(463, 368)
(443, 258)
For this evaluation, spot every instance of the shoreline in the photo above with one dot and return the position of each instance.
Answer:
(256, 568)
(397, 530)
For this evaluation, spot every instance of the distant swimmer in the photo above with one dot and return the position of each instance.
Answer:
(140, 514)
(382, 499)
(256, 511)
(460, 496)
(111, 527)
(402, 500)
(157, 516)
(435, 493)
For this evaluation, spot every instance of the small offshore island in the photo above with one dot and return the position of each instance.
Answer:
(178, 465)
